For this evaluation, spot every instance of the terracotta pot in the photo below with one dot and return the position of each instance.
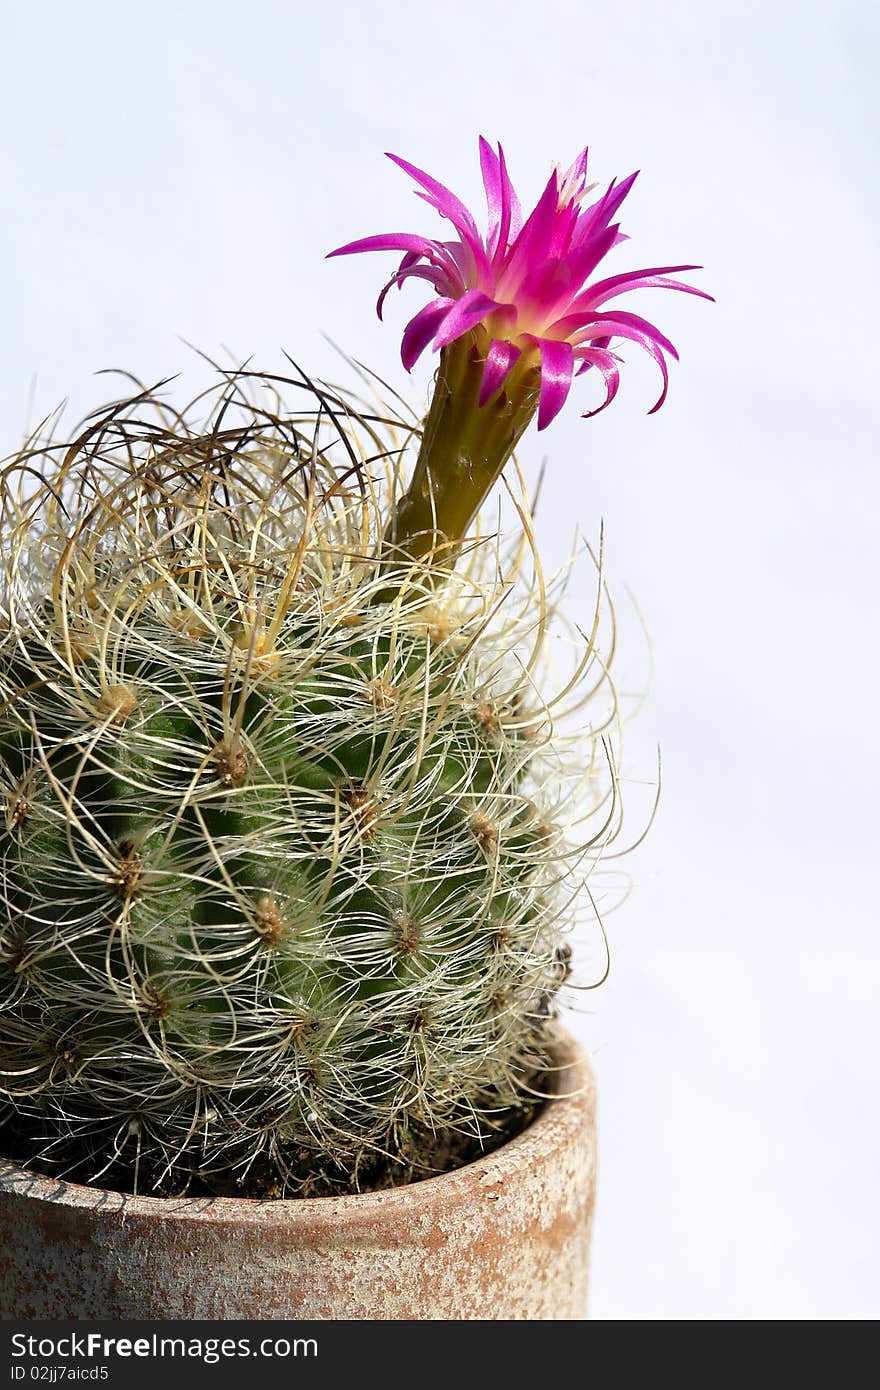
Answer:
(506, 1237)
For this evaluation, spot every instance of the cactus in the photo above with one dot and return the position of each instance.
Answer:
(284, 888)
(292, 835)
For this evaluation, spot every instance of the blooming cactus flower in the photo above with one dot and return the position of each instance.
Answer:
(515, 317)
(524, 290)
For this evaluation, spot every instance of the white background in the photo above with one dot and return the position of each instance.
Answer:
(178, 171)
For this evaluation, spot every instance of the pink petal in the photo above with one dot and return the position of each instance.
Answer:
(434, 276)
(600, 213)
(606, 362)
(602, 327)
(501, 200)
(499, 360)
(421, 329)
(462, 259)
(491, 171)
(511, 212)
(533, 242)
(557, 368)
(649, 329)
(388, 241)
(656, 278)
(465, 314)
(615, 196)
(448, 205)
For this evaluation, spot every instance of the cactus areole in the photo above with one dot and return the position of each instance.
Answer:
(293, 826)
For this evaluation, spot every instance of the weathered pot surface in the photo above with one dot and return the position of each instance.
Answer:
(506, 1237)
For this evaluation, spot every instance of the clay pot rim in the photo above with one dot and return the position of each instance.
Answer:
(570, 1107)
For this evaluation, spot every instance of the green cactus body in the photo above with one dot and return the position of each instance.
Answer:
(278, 894)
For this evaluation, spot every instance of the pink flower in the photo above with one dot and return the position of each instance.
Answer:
(524, 290)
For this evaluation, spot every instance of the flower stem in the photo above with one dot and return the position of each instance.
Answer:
(463, 451)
